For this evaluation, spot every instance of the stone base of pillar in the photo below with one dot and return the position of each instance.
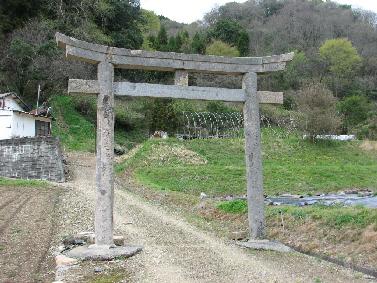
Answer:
(265, 245)
(102, 253)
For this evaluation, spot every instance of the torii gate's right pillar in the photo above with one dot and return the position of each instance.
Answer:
(254, 174)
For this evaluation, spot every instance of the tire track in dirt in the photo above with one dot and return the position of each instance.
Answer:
(23, 245)
(12, 215)
(27, 233)
(9, 201)
(19, 205)
(50, 236)
(43, 243)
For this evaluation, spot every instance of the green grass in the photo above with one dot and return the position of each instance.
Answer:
(331, 216)
(290, 165)
(77, 132)
(7, 182)
(236, 206)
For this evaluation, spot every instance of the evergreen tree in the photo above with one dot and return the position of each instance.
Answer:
(162, 39)
(172, 46)
(121, 20)
(243, 43)
(179, 41)
(198, 44)
(231, 32)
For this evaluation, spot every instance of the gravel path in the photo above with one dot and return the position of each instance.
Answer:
(176, 251)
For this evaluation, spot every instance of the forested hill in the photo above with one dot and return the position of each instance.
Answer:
(28, 50)
(279, 26)
(335, 47)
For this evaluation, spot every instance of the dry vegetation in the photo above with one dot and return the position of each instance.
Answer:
(165, 154)
(369, 146)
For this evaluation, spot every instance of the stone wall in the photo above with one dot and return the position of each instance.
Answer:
(32, 158)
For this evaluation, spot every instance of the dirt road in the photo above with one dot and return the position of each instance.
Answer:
(176, 251)
(27, 225)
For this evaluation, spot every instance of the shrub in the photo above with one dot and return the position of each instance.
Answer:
(86, 105)
(317, 106)
(234, 206)
(355, 110)
(289, 102)
(220, 48)
(161, 115)
(367, 130)
(342, 57)
(218, 107)
(279, 117)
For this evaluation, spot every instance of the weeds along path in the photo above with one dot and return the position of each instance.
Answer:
(176, 251)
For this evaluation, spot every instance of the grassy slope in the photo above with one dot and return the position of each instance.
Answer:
(77, 132)
(291, 165)
(74, 131)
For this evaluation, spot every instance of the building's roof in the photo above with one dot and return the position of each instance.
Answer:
(17, 98)
(32, 114)
(23, 105)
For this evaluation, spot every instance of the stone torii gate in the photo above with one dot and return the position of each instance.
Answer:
(108, 58)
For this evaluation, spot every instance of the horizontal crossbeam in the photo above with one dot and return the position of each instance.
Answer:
(173, 91)
(169, 61)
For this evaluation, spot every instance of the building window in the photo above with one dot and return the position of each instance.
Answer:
(42, 128)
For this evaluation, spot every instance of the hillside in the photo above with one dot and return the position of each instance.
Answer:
(75, 123)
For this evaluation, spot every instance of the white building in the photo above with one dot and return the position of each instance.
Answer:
(16, 120)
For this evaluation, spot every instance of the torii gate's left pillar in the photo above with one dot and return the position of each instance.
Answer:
(104, 222)
(104, 247)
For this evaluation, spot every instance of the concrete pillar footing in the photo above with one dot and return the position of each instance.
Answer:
(102, 252)
(266, 245)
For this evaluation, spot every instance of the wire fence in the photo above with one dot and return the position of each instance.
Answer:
(209, 125)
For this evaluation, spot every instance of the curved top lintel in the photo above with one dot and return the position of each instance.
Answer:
(94, 53)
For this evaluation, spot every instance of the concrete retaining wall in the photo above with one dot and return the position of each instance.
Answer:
(32, 158)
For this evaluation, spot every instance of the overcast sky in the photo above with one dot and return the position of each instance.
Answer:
(188, 11)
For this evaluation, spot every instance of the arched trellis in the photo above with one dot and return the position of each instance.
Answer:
(107, 58)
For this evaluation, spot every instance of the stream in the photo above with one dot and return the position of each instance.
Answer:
(368, 201)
